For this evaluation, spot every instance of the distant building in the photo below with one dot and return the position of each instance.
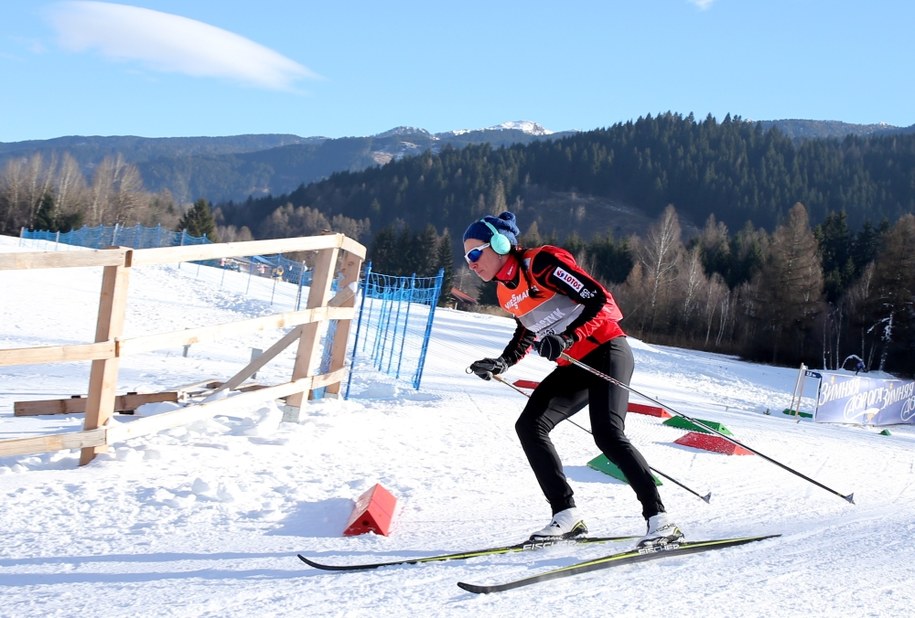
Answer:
(462, 301)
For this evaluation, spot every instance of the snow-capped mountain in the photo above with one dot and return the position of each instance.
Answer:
(524, 126)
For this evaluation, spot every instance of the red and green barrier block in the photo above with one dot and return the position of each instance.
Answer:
(682, 423)
(602, 464)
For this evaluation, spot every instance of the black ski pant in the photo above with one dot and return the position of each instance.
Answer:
(564, 392)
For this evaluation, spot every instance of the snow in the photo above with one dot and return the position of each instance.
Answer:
(206, 519)
(525, 126)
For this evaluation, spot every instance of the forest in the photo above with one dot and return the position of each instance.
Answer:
(721, 236)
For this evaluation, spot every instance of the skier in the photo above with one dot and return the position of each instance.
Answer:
(559, 308)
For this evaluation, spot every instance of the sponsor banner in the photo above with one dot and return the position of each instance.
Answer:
(865, 401)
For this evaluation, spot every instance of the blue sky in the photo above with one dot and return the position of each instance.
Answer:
(170, 68)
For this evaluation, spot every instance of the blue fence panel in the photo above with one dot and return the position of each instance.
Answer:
(394, 323)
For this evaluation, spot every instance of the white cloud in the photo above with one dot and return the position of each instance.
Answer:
(172, 44)
(703, 5)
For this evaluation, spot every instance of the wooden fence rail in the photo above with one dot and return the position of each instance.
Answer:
(335, 254)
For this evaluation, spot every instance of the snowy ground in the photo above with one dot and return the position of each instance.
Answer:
(206, 520)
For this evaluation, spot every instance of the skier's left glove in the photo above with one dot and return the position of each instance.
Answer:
(551, 347)
(486, 368)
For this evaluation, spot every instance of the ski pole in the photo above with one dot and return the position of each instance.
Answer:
(706, 497)
(849, 498)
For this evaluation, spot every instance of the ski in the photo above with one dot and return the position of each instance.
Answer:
(464, 555)
(605, 562)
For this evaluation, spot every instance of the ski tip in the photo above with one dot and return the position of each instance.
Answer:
(707, 497)
(307, 561)
(850, 497)
(472, 588)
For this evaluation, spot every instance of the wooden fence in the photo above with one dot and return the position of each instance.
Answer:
(334, 254)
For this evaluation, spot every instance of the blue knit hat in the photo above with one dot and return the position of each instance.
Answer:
(504, 224)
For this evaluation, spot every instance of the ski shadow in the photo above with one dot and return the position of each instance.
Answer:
(587, 474)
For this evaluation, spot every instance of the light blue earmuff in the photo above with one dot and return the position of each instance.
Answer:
(499, 242)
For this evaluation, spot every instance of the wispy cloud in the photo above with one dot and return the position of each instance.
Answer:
(703, 5)
(172, 44)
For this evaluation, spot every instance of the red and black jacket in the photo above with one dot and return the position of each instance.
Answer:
(550, 294)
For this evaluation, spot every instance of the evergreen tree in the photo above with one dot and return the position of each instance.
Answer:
(715, 245)
(384, 250)
(834, 239)
(199, 221)
(444, 260)
(891, 309)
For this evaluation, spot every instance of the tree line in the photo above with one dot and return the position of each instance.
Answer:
(814, 271)
(733, 168)
(52, 193)
(801, 294)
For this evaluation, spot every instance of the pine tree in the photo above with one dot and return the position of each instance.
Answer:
(891, 309)
(834, 239)
(199, 221)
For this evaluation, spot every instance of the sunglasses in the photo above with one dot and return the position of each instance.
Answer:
(475, 254)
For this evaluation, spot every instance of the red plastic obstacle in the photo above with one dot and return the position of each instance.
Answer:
(373, 512)
(638, 408)
(711, 442)
(641, 408)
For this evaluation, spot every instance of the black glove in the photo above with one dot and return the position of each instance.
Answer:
(486, 368)
(551, 346)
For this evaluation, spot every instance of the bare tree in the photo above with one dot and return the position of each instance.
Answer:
(660, 254)
(788, 291)
(25, 185)
(12, 191)
(715, 307)
(100, 192)
(691, 281)
(71, 188)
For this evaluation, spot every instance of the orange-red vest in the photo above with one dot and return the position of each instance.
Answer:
(550, 312)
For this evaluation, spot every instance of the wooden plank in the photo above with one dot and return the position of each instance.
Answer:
(189, 336)
(258, 362)
(346, 297)
(77, 404)
(121, 431)
(171, 255)
(309, 343)
(57, 353)
(63, 259)
(103, 376)
(53, 442)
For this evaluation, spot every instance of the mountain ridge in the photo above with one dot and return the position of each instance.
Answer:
(234, 168)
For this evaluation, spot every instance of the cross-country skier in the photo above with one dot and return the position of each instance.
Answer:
(559, 308)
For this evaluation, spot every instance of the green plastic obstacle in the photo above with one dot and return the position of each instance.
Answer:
(602, 464)
(682, 423)
(791, 412)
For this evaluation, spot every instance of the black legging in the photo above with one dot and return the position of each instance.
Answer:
(564, 392)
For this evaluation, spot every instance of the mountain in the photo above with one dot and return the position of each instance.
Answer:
(820, 129)
(235, 168)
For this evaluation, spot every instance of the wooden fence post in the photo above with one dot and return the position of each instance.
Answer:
(309, 346)
(346, 297)
(103, 377)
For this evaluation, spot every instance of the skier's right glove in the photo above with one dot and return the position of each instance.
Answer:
(486, 368)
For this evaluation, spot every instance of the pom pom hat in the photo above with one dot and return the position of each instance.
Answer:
(489, 229)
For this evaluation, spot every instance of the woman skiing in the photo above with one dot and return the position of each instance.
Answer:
(560, 309)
